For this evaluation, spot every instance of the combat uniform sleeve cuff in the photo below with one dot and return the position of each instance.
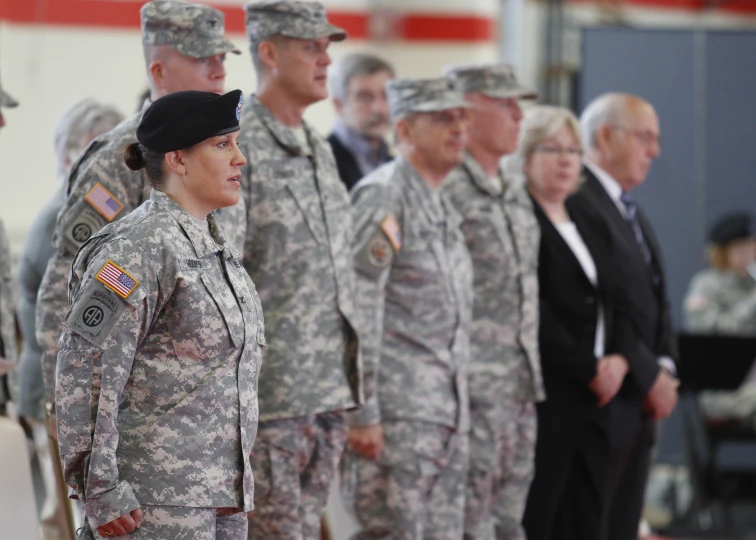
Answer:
(111, 505)
(665, 362)
(368, 415)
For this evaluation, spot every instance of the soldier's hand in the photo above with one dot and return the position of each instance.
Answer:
(662, 398)
(123, 525)
(367, 441)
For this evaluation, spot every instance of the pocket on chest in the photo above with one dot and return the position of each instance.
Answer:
(205, 320)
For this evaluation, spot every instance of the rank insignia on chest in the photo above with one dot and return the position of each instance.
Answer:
(391, 228)
(117, 279)
(104, 202)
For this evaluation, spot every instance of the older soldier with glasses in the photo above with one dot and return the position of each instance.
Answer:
(358, 87)
(184, 49)
(297, 252)
(502, 235)
(414, 294)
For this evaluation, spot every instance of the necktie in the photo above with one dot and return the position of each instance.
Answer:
(632, 218)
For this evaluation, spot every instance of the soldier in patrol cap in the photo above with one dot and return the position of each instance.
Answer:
(408, 444)
(7, 306)
(297, 251)
(100, 188)
(502, 235)
(157, 374)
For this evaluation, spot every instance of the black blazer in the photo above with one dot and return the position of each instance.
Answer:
(569, 308)
(643, 293)
(349, 169)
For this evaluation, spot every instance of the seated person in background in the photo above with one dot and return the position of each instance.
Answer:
(722, 300)
(583, 337)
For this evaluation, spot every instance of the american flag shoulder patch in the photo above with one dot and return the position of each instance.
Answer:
(104, 202)
(392, 230)
(117, 279)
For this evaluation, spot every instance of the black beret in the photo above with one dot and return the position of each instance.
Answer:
(183, 119)
(733, 227)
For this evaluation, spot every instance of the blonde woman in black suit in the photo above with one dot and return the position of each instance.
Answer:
(581, 335)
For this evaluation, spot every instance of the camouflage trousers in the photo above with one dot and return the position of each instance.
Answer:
(294, 461)
(182, 523)
(416, 489)
(502, 454)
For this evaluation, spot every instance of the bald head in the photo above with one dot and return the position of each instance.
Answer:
(621, 134)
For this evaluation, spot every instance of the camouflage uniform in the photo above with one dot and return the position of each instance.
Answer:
(7, 309)
(297, 251)
(414, 300)
(502, 235)
(101, 189)
(724, 303)
(157, 374)
(7, 320)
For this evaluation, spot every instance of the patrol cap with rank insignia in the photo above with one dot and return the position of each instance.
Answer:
(291, 18)
(183, 119)
(423, 95)
(493, 80)
(192, 29)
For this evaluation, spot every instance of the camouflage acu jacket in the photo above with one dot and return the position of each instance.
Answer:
(157, 373)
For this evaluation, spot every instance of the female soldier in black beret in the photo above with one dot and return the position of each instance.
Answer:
(157, 373)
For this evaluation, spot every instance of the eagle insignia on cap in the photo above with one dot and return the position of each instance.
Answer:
(239, 107)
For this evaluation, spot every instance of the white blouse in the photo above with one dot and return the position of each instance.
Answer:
(571, 235)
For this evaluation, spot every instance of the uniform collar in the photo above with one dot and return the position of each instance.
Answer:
(491, 186)
(284, 135)
(204, 243)
(430, 201)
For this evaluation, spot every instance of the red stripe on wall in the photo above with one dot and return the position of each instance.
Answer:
(125, 14)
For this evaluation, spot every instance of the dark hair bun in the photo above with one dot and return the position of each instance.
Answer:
(134, 157)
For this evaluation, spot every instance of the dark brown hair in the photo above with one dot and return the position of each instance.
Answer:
(138, 157)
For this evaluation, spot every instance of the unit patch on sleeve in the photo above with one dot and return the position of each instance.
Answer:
(104, 202)
(117, 279)
(95, 318)
(83, 226)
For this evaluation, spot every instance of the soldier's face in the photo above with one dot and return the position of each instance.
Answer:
(438, 138)
(212, 172)
(186, 73)
(365, 108)
(553, 168)
(494, 123)
(302, 67)
(741, 254)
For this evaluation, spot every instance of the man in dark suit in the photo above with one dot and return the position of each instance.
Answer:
(621, 133)
(357, 85)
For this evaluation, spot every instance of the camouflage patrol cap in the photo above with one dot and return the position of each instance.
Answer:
(5, 99)
(493, 80)
(423, 95)
(291, 18)
(192, 29)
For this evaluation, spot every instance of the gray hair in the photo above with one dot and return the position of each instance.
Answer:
(81, 123)
(354, 65)
(539, 123)
(605, 109)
